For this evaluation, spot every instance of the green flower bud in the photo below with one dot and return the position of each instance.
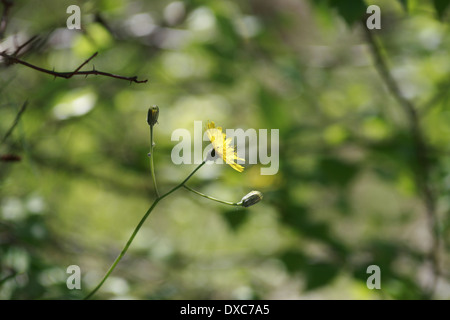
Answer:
(251, 198)
(152, 115)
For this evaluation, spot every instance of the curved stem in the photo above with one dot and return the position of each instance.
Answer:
(152, 167)
(124, 250)
(212, 198)
(136, 230)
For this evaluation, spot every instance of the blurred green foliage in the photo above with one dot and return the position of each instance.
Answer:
(345, 196)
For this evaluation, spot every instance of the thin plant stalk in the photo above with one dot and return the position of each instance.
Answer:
(152, 167)
(212, 198)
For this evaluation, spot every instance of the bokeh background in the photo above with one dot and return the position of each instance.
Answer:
(350, 192)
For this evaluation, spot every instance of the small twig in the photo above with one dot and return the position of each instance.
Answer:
(10, 59)
(7, 4)
(8, 277)
(19, 48)
(421, 152)
(16, 121)
(83, 64)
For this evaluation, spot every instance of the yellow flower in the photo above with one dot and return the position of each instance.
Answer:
(222, 145)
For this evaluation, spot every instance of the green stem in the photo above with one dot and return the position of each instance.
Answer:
(152, 167)
(136, 230)
(212, 198)
(124, 250)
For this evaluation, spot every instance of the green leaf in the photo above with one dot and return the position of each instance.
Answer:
(235, 218)
(316, 274)
(272, 110)
(294, 261)
(229, 38)
(320, 274)
(336, 171)
(441, 6)
(299, 219)
(404, 4)
(350, 10)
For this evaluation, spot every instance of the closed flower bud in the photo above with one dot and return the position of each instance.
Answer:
(152, 116)
(251, 198)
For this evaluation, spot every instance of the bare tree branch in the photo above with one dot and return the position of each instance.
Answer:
(7, 4)
(19, 48)
(11, 59)
(16, 121)
(421, 153)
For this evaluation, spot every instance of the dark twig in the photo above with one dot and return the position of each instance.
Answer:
(421, 153)
(7, 4)
(83, 64)
(8, 277)
(19, 48)
(16, 121)
(10, 158)
(11, 59)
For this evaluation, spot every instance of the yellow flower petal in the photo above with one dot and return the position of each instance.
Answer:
(222, 145)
